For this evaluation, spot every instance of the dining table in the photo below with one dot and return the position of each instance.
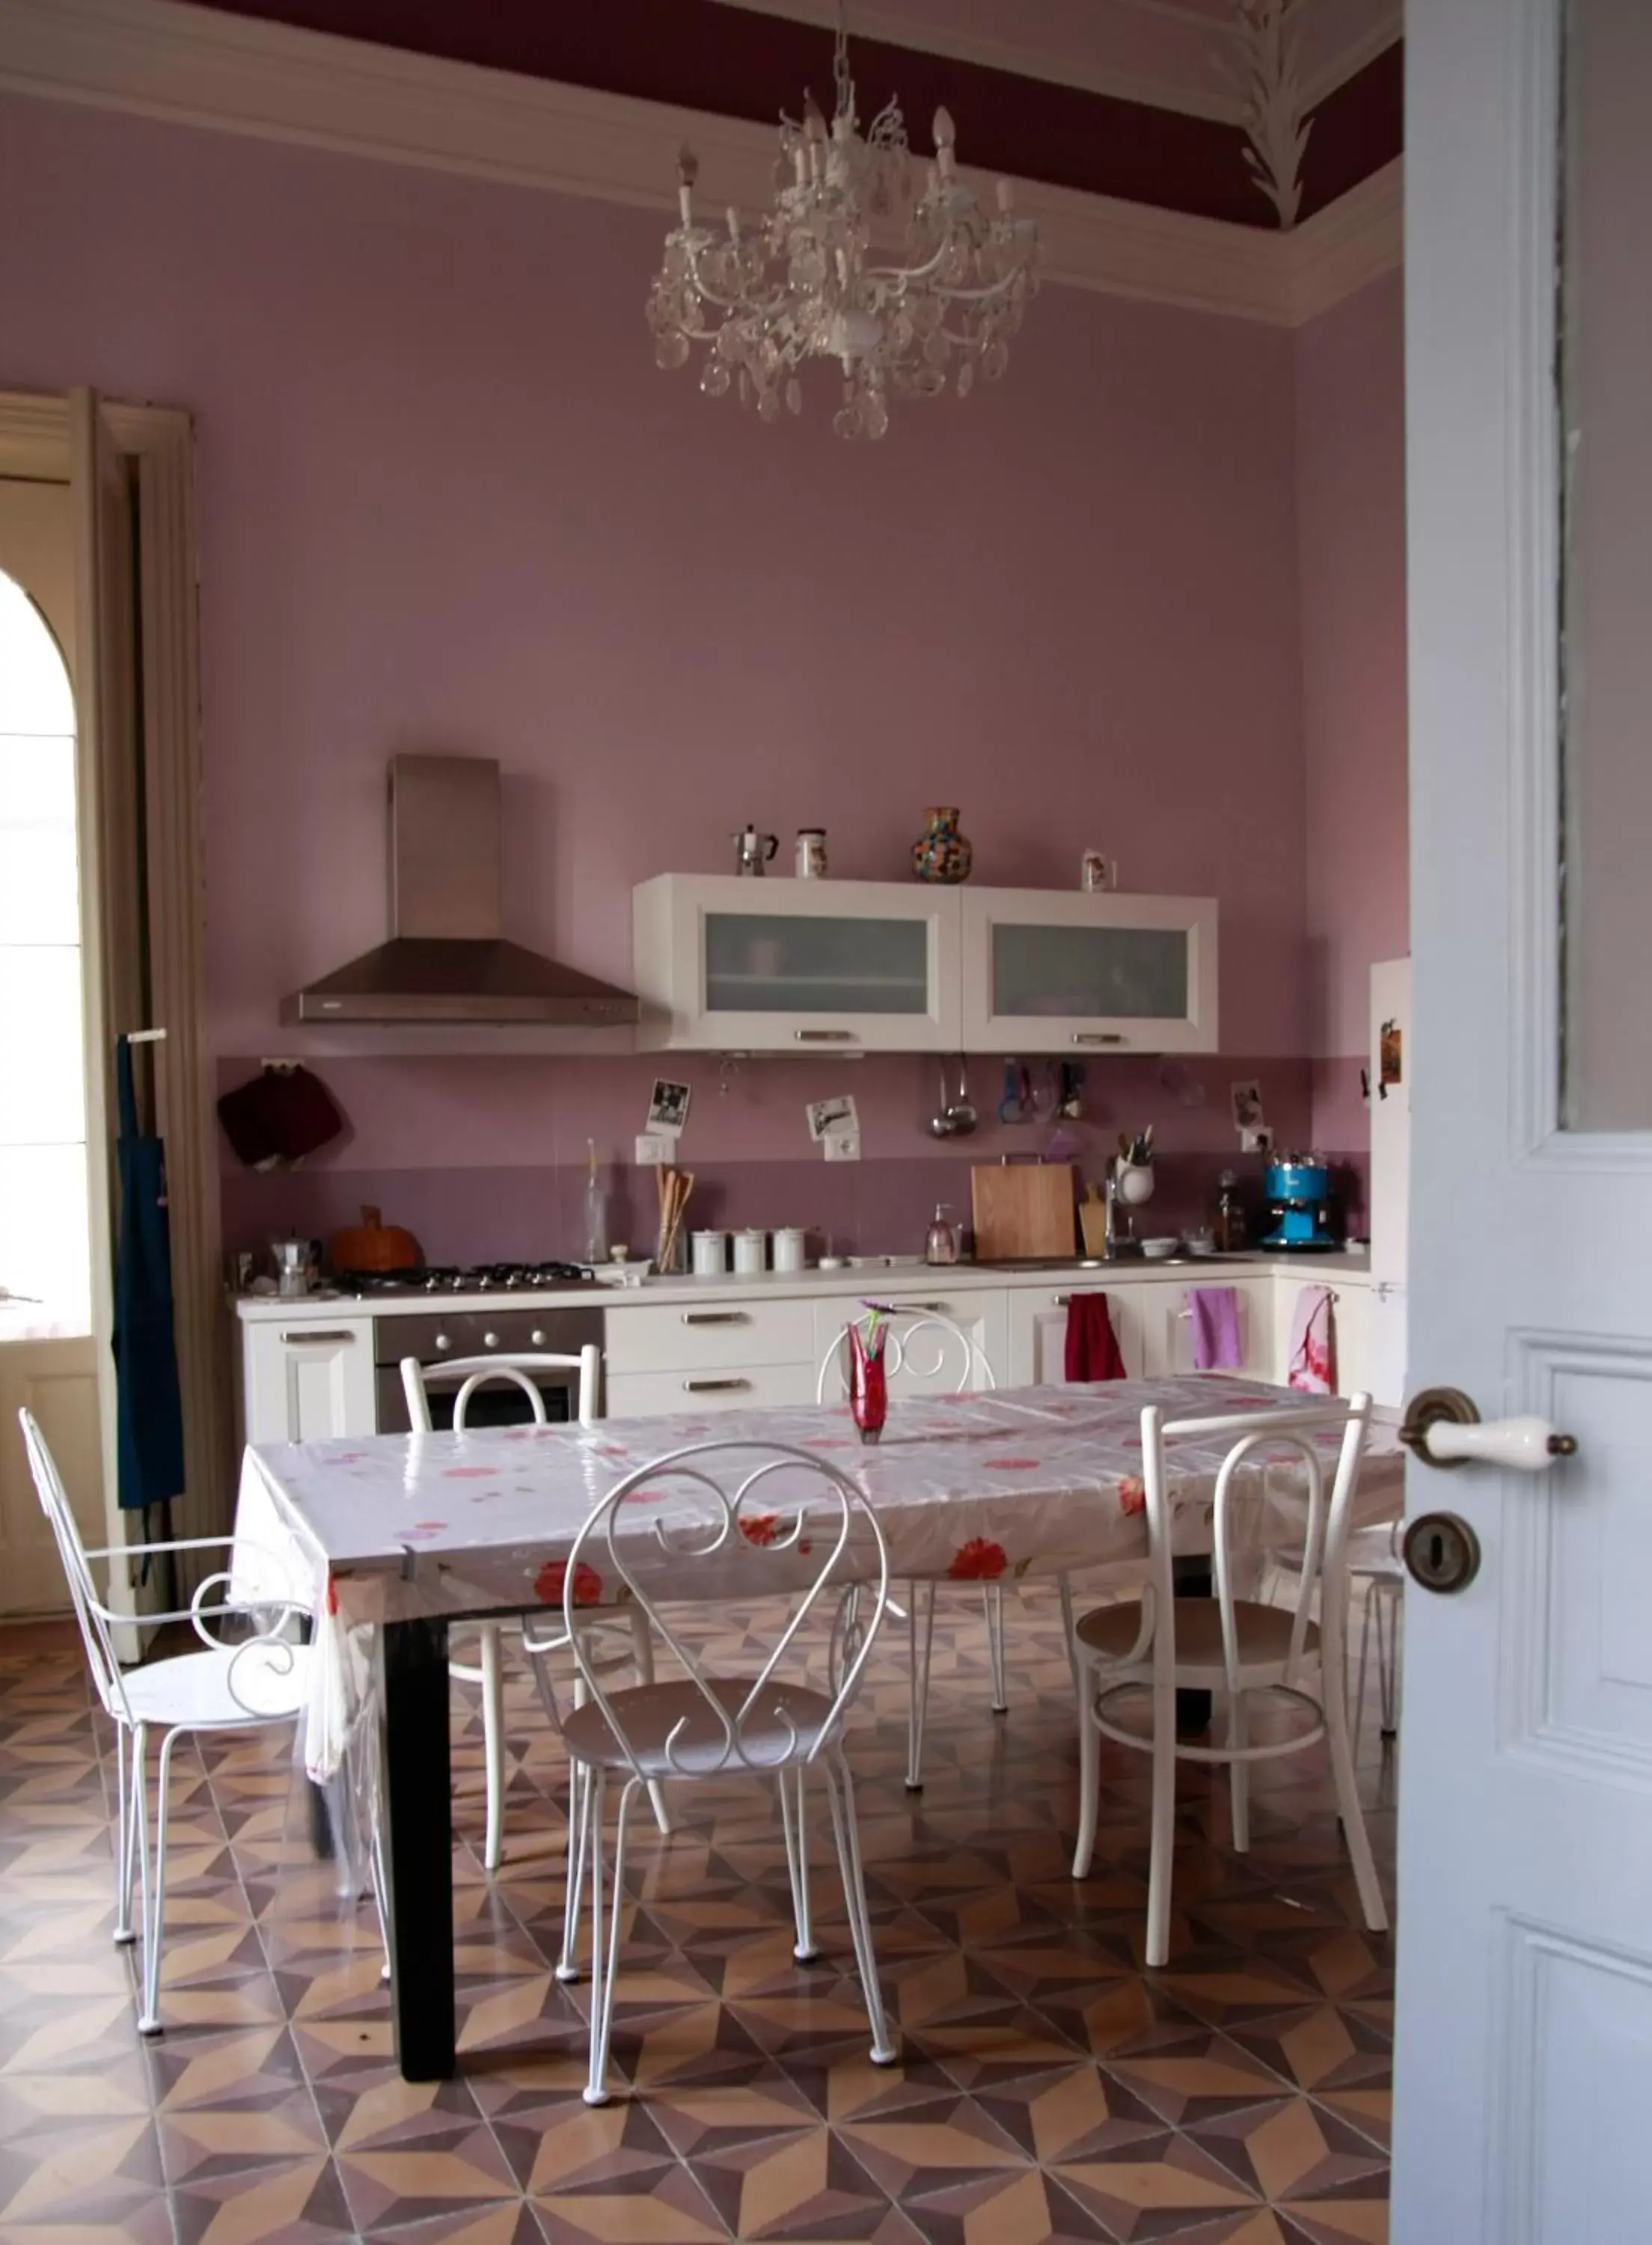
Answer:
(391, 1539)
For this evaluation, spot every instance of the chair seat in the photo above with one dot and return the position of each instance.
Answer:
(786, 1723)
(1261, 1633)
(193, 1690)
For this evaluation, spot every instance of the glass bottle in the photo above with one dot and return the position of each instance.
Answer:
(1230, 1228)
(596, 1211)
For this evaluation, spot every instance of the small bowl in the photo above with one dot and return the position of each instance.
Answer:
(1156, 1250)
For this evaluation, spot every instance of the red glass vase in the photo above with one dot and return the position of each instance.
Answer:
(867, 1389)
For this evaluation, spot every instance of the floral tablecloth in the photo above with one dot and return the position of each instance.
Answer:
(1029, 1481)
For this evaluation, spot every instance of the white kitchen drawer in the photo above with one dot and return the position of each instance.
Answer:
(651, 1395)
(709, 1336)
(936, 1365)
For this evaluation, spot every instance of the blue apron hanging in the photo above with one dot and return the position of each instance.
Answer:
(149, 1416)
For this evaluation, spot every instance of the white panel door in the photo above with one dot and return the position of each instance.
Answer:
(1524, 2065)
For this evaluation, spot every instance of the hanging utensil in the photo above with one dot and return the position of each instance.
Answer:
(941, 1122)
(962, 1113)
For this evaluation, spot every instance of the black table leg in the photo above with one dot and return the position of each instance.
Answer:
(1193, 1708)
(416, 1843)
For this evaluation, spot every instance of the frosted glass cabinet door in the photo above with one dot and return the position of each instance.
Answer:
(782, 966)
(1045, 971)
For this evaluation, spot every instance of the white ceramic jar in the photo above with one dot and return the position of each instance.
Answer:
(751, 1254)
(789, 1250)
(711, 1254)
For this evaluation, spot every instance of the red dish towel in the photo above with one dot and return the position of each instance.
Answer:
(1313, 1343)
(1092, 1347)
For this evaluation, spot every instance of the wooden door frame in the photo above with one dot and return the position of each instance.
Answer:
(159, 442)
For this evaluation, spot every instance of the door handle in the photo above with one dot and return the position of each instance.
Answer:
(1443, 1427)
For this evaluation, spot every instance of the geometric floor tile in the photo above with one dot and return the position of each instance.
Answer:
(1050, 2091)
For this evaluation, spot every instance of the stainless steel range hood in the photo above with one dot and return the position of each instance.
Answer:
(446, 959)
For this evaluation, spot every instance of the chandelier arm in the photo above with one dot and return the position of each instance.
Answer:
(767, 305)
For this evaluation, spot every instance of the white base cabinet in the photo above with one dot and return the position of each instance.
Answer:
(934, 1364)
(306, 1382)
(1150, 1322)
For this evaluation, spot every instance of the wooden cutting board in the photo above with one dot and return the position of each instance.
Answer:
(1022, 1208)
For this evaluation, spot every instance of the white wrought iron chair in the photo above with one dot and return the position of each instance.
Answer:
(470, 1373)
(717, 1522)
(1374, 1561)
(926, 1345)
(246, 1686)
(1161, 1643)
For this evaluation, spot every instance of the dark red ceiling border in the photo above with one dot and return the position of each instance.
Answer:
(734, 62)
(1356, 131)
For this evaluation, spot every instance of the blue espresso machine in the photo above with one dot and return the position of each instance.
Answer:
(1297, 1190)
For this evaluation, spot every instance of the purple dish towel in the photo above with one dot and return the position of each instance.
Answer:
(1215, 1313)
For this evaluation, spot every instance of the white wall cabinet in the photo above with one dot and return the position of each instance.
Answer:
(305, 1382)
(727, 965)
(1045, 971)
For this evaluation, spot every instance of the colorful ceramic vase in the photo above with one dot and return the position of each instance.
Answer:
(941, 852)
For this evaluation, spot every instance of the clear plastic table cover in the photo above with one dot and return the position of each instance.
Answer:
(969, 1488)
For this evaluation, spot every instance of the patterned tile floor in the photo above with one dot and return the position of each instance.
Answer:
(1051, 2089)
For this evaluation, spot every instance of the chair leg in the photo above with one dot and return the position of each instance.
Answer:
(1161, 1861)
(840, 1791)
(125, 1831)
(380, 1887)
(493, 1744)
(1089, 1774)
(643, 1657)
(603, 1971)
(1388, 1660)
(793, 1819)
(155, 1900)
(574, 1869)
(920, 1639)
(1353, 1818)
(1239, 1774)
(1064, 1591)
(1356, 1715)
(993, 1600)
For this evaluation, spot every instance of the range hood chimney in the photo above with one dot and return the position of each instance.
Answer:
(446, 959)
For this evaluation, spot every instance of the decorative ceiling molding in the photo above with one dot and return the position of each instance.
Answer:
(1017, 57)
(163, 59)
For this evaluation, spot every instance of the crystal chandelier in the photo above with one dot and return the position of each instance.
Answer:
(804, 282)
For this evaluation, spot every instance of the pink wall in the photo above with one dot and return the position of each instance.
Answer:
(447, 502)
(1350, 470)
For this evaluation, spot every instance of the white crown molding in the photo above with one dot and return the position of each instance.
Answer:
(165, 59)
(1352, 241)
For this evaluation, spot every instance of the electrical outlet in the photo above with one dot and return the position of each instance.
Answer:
(841, 1145)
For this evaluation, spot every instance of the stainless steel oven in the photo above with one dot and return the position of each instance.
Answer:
(445, 1336)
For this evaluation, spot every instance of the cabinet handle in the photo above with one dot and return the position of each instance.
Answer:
(825, 1036)
(1100, 1037)
(309, 1340)
(716, 1318)
(940, 1309)
(714, 1387)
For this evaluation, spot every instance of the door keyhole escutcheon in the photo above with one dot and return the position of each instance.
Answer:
(1441, 1552)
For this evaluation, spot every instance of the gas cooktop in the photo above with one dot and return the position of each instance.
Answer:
(464, 1278)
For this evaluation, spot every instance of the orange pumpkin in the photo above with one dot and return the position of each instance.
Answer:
(371, 1245)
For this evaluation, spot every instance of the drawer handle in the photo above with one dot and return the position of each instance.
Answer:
(825, 1036)
(716, 1318)
(317, 1339)
(938, 1309)
(714, 1387)
(1100, 1037)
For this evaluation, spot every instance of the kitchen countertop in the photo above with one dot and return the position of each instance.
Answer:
(1341, 1263)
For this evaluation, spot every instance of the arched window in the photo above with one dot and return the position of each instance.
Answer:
(44, 1246)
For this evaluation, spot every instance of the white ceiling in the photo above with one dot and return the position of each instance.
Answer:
(1176, 54)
